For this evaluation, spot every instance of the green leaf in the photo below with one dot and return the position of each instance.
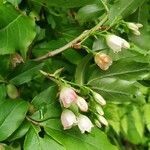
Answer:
(34, 141)
(2, 93)
(16, 30)
(97, 140)
(132, 125)
(81, 70)
(27, 73)
(122, 69)
(52, 110)
(113, 116)
(146, 110)
(72, 56)
(11, 113)
(114, 89)
(122, 8)
(134, 54)
(142, 40)
(20, 132)
(5, 65)
(45, 97)
(89, 13)
(14, 2)
(66, 3)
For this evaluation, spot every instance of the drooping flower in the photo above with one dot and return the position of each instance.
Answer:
(134, 27)
(82, 104)
(103, 120)
(99, 99)
(103, 61)
(84, 123)
(67, 96)
(68, 119)
(116, 43)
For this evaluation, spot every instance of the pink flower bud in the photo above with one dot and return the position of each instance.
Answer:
(84, 123)
(99, 99)
(67, 96)
(103, 120)
(116, 43)
(68, 119)
(82, 104)
(103, 61)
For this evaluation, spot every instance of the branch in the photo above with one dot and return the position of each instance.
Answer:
(81, 37)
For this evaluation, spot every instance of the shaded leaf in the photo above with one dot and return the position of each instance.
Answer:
(45, 97)
(27, 74)
(122, 9)
(66, 3)
(89, 13)
(16, 30)
(11, 112)
(81, 70)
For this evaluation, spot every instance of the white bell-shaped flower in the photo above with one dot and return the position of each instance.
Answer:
(84, 123)
(116, 43)
(68, 119)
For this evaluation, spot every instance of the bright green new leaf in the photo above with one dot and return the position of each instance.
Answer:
(132, 125)
(146, 110)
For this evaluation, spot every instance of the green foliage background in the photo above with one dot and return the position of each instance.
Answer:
(29, 106)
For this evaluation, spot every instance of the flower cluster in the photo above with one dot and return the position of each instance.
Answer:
(116, 43)
(134, 27)
(69, 118)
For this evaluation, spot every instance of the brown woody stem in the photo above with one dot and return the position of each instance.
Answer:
(81, 37)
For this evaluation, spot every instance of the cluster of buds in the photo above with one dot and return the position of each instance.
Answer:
(69, 118)
(134, 27)
(116, 43)
(99, 111)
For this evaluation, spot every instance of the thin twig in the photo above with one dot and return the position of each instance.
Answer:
(82, 36)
